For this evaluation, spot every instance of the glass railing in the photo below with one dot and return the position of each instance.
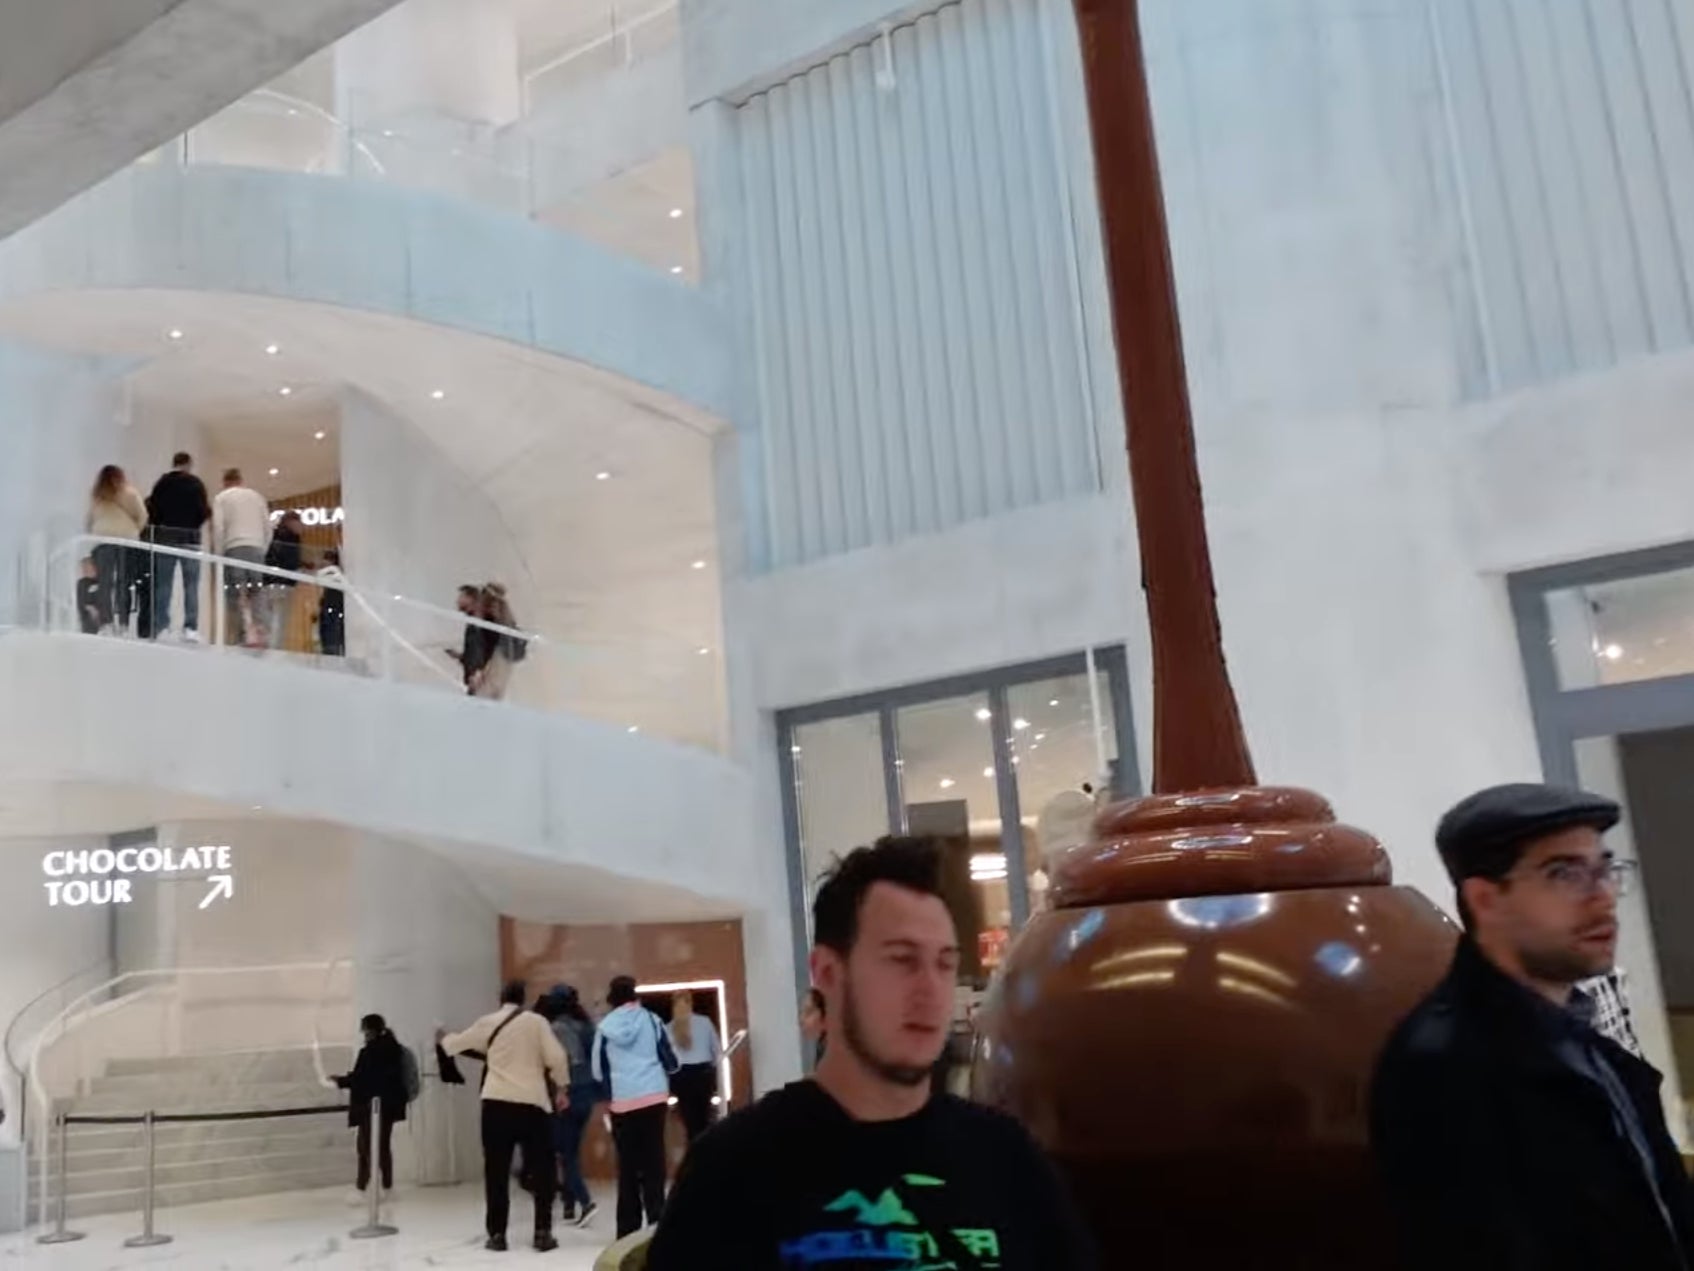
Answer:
(320, 618)
(546, 166)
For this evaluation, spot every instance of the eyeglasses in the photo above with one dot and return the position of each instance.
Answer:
(1581, 879)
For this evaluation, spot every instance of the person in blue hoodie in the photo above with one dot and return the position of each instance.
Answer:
(633, 1057)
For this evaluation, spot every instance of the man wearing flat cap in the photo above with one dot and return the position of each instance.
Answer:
(1511, 1135)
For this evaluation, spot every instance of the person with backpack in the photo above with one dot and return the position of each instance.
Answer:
(633, 1056)
(575, 1032)
(386, 1071)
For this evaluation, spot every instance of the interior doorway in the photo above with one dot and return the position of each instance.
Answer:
(1608, 650)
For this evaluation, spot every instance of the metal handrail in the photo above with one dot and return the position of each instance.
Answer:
(38, 1091)
(620, 31)
(8, 1045)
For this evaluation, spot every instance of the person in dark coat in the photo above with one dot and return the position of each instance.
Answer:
(378, 1073)
(1511, 1135)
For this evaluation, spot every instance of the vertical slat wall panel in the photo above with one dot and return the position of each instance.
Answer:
(1574, 132)
(919, 352)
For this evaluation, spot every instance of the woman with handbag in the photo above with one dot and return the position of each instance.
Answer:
(634, 1058)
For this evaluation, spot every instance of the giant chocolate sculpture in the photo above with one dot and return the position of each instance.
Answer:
(1189, 1030)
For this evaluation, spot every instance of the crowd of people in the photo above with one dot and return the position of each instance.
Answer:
(125, 585)
(545, 1070)
(129, 578)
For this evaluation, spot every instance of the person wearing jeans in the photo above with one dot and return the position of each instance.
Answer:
(634, 1057)
(575, 1032)
(241, 530)
(180, 510)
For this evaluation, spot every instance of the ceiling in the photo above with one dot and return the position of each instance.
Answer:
(612, 562)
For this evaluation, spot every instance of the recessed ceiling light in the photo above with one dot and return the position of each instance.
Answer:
(676, 269)
(285, 391)
(602, 476)
(699, 564)
(1040, 736)
(676, 214)
(439, 393)
(947, 783)
(988, 772)
(273, 349)
(319, 435)
(388, 132)
(276, 472)
(704, 650)
(984, 714)
(1020, 724)
(175, 333)
(635, 728)
(1613, 652)
(1054, 702)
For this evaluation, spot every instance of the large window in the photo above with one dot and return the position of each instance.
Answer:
(1002, 768)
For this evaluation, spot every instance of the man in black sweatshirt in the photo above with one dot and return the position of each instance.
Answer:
(178, 509)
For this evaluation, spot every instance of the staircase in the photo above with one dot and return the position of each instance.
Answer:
(206, 1160)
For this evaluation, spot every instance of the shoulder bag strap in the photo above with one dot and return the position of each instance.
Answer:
(488, 1055)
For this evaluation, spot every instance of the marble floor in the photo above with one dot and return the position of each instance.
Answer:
(439, 1227)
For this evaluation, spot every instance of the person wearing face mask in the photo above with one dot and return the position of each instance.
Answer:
(1510, 1133)
(863, 1167)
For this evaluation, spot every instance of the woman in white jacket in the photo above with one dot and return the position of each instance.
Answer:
(115, 510)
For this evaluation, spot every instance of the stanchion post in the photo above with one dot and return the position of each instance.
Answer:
(148, 1237)
(60, 1235)
(374, 1226)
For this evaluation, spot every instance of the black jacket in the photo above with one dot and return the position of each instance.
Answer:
(283, 553)
(377, 1074)
(179, 502)
(1499, 1156)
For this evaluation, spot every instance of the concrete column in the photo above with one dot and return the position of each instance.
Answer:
(431, 58)
(426, 953)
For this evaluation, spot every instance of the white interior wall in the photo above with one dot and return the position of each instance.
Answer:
(427, 949)
(62, 418)
(421, 527)
(44, 945)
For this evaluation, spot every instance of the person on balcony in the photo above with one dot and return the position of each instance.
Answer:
(180, 510)
(115, 511)
(332, 606)
(241, 530)
(474, 655)
(378, 1073)
(503, 650)
(283, 553)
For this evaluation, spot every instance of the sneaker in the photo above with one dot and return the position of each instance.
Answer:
(588, 1211)
(570, 1212)
(495, 1244)
(544, 1242)
(191, 636)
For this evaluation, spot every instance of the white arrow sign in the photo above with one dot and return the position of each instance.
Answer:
(223, 885)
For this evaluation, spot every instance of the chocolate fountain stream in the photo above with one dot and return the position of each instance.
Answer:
(1190, 1030)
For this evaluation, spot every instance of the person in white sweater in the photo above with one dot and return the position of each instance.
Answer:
(115, 511)
(521, 1057)
(241, 530)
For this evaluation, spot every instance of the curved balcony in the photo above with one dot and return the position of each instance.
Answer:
(384, 249)
(146, 731)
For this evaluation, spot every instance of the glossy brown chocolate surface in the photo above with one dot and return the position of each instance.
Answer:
(1198, 1064)
(1215, 843)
